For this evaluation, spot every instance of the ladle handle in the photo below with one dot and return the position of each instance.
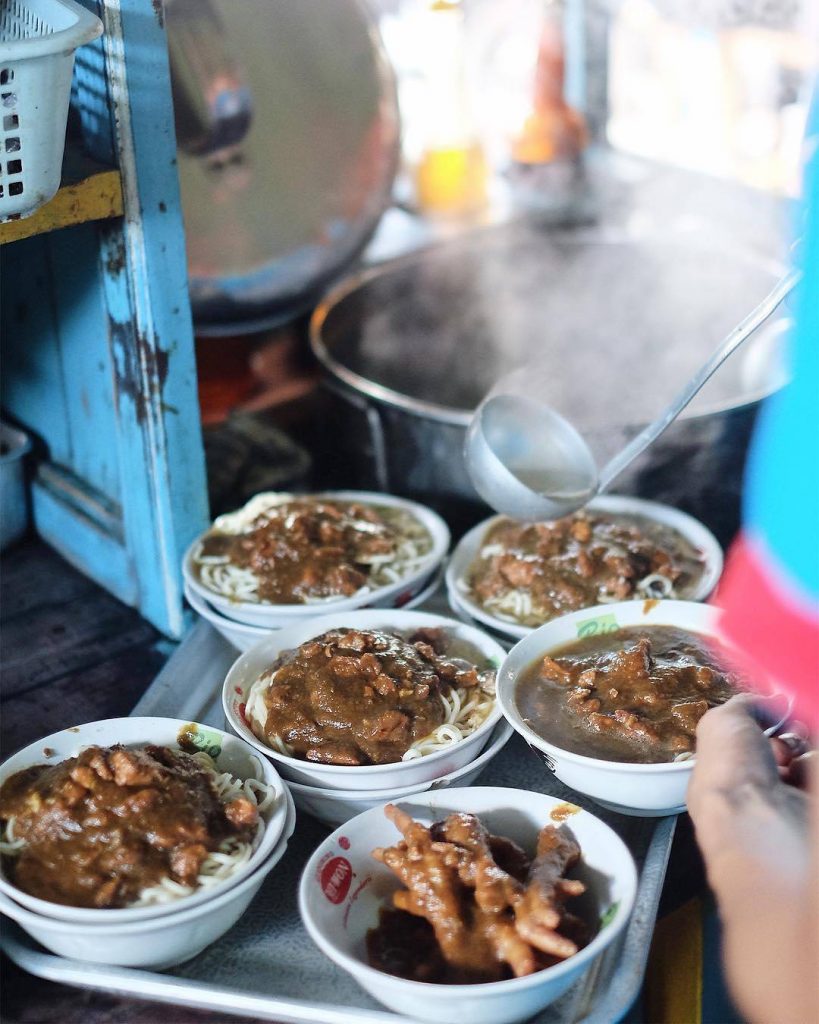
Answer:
(743, 330)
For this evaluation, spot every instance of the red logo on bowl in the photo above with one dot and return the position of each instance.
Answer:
(335, 879)
(344, 843)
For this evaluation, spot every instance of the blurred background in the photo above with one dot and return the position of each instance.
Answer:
(714, 87)
(528, 132)
(390, 206)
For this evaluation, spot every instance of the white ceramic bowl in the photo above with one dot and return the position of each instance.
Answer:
(237, 634)
(393, 595)
(470, 544)
(337, 919)
(335, 806)
(644, 790)
(234, 756)
(247, 669)
(243, 637)
(160, 942)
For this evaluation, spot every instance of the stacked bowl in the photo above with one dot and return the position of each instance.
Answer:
(334, 793)
(174, 928)
(244, 619)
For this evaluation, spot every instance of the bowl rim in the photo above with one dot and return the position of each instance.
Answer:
(505, 730)
(539, 644)
(358, 618)
(219, 621)
(94, 916)
(457, 608)
(601, 940)
(25, 917)
(222, 622)
(432, 522)
(694, 531)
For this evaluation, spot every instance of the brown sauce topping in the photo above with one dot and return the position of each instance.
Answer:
(101, 827)
(356, 697)
(636, 694)
(578, 562)
(476, 907)
(311, 548)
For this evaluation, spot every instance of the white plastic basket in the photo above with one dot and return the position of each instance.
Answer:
(37, 43)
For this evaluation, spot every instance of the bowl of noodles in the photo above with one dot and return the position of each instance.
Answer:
(154, 943)
(243, 637)
(285, 557)
(367, 700)
(515, 576)
(131, 819)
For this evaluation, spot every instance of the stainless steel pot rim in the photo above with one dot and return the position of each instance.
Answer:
(461, 417)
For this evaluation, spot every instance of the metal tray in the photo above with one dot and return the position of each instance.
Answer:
(266, 966)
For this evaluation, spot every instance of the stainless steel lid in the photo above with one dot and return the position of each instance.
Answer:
(288, 127)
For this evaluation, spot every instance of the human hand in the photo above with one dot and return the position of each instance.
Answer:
(737, 799)
(795, 759)
(753, 831)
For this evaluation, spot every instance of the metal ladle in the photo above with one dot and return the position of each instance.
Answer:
(529, 462)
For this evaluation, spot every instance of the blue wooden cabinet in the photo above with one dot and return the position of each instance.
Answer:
(97, 340)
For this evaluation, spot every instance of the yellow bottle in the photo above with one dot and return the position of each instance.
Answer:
(451, 175)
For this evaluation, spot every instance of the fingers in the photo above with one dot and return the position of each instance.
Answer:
(787, 748)
(734, 725)
(732, 753)
(781, 753)
(766, 710)
(801, 769)
(772, 711)
(795, 743)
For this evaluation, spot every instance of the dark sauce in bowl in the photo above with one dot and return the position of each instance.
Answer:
(633, 695)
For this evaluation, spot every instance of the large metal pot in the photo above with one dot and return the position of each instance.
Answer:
(412, 346)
